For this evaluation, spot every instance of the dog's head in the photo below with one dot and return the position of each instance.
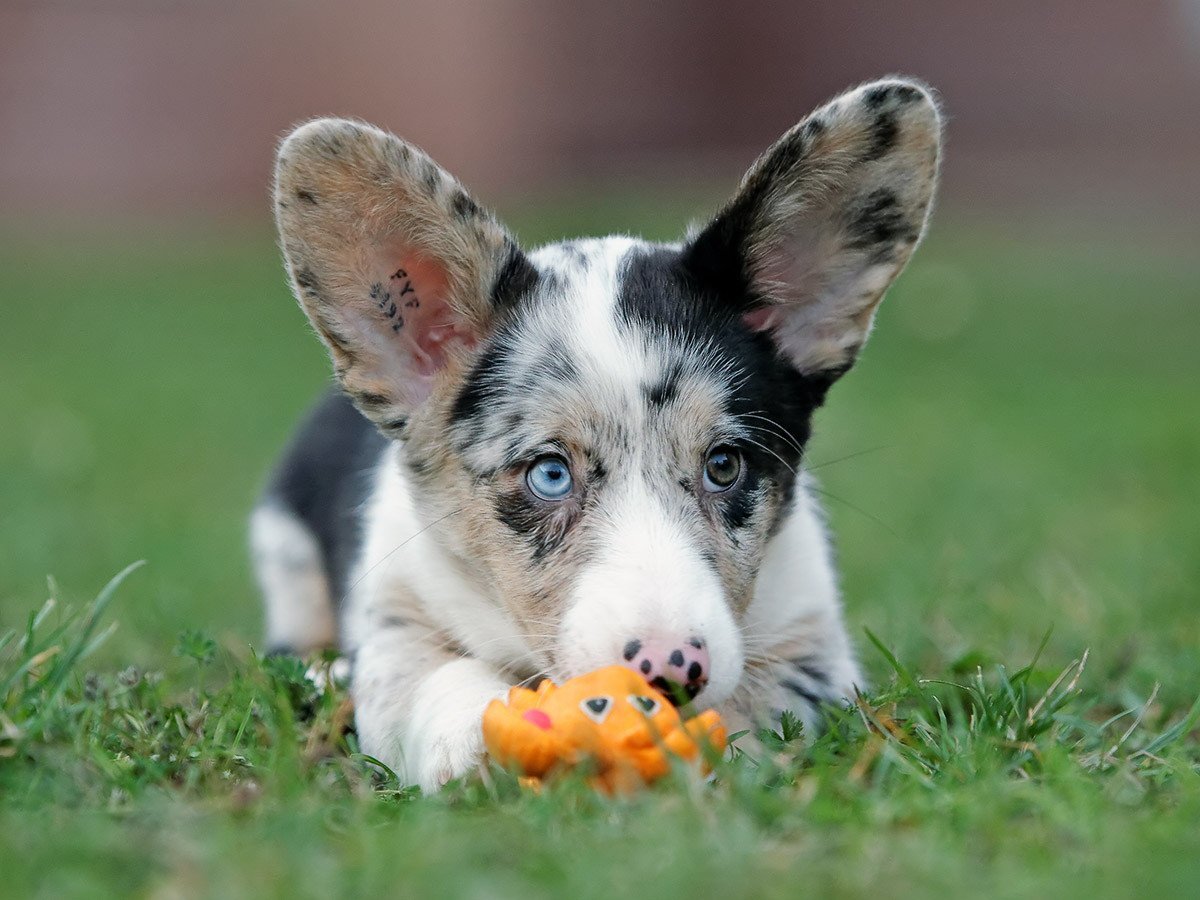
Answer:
(608, 432)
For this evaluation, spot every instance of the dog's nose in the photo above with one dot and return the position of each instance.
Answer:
(674, 667)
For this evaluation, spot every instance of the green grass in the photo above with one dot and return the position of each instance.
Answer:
(1014, 456)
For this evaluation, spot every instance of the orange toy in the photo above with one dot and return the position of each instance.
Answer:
(611, 718)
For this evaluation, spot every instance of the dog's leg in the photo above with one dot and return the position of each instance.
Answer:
(419, 705)
(807, 668)
(809, 679)
(295, 586)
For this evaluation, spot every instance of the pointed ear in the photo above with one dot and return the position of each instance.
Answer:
(825, 220)
(398, 269)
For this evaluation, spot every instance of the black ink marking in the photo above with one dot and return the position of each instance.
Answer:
(399, 273)
(383, 299)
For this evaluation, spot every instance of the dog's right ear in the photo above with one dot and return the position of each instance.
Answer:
(398, 269)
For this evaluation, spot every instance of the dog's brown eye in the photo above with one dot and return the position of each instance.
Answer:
(722, 468)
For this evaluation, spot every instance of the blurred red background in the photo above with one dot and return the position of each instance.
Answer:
(161, 107)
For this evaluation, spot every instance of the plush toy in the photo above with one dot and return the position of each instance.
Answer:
(611, 719)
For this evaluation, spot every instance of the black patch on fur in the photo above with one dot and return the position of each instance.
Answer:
(486, 377)
(372, 402)
(325, 478)
(879, 220)
(491, 374)
(666, 389)
(576, 254)
(308, 282)
(903, 94)
(884, 133)
(801, 691)
(813, 671)
(330, 144)
(395, 427)
(737, 505)
(697, 297)
(535, 525)
(307, 197)
(464, 207)
(516, 279)
(597, 471)
(431, 177)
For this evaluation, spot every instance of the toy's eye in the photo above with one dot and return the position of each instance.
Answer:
(647, 705)
(549, 477)
(722, 468)
(597, 708)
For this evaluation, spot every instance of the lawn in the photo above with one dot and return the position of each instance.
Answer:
(1010, 473)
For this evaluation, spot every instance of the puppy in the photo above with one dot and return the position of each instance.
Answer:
(541, 462)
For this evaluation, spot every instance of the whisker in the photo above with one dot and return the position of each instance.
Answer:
(858, 509)
(399, 546)
(782, 432)
(830, 462)
(767, 449)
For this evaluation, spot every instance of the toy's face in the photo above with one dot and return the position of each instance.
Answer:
(611, 709)
(611, 717)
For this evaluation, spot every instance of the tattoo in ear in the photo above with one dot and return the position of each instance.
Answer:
(392, 308)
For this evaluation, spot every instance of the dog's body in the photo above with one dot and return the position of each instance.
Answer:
(588, 454)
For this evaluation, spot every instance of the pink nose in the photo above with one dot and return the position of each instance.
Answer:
(672, 667)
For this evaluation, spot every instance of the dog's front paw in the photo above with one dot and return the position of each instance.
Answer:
(445, 733)
(444, 753)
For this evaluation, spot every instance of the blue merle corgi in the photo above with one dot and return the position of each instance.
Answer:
(544, 461)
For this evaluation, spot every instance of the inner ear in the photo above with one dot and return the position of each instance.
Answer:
(824, 221)
(398, 269)
(413, 304)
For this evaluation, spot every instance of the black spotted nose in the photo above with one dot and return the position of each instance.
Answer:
(676, 668)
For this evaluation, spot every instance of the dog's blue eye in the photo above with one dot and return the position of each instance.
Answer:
(549, 478)
(722, 468)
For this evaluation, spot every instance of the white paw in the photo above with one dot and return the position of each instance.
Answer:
(444, 737)
(443, 755)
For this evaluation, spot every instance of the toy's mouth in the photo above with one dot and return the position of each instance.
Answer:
(538, 718)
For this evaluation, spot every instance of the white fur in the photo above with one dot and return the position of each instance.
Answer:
(649, 581)
(403, 561)
(292, 579)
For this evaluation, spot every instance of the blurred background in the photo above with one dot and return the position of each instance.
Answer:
(166, 107)
(1016, 452)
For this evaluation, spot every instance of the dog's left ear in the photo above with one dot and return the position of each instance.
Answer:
(824, 222)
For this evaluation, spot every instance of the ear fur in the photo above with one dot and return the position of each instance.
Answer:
(397, 268)
(825, 220)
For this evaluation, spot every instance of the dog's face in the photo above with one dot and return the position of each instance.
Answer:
(607, 433)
